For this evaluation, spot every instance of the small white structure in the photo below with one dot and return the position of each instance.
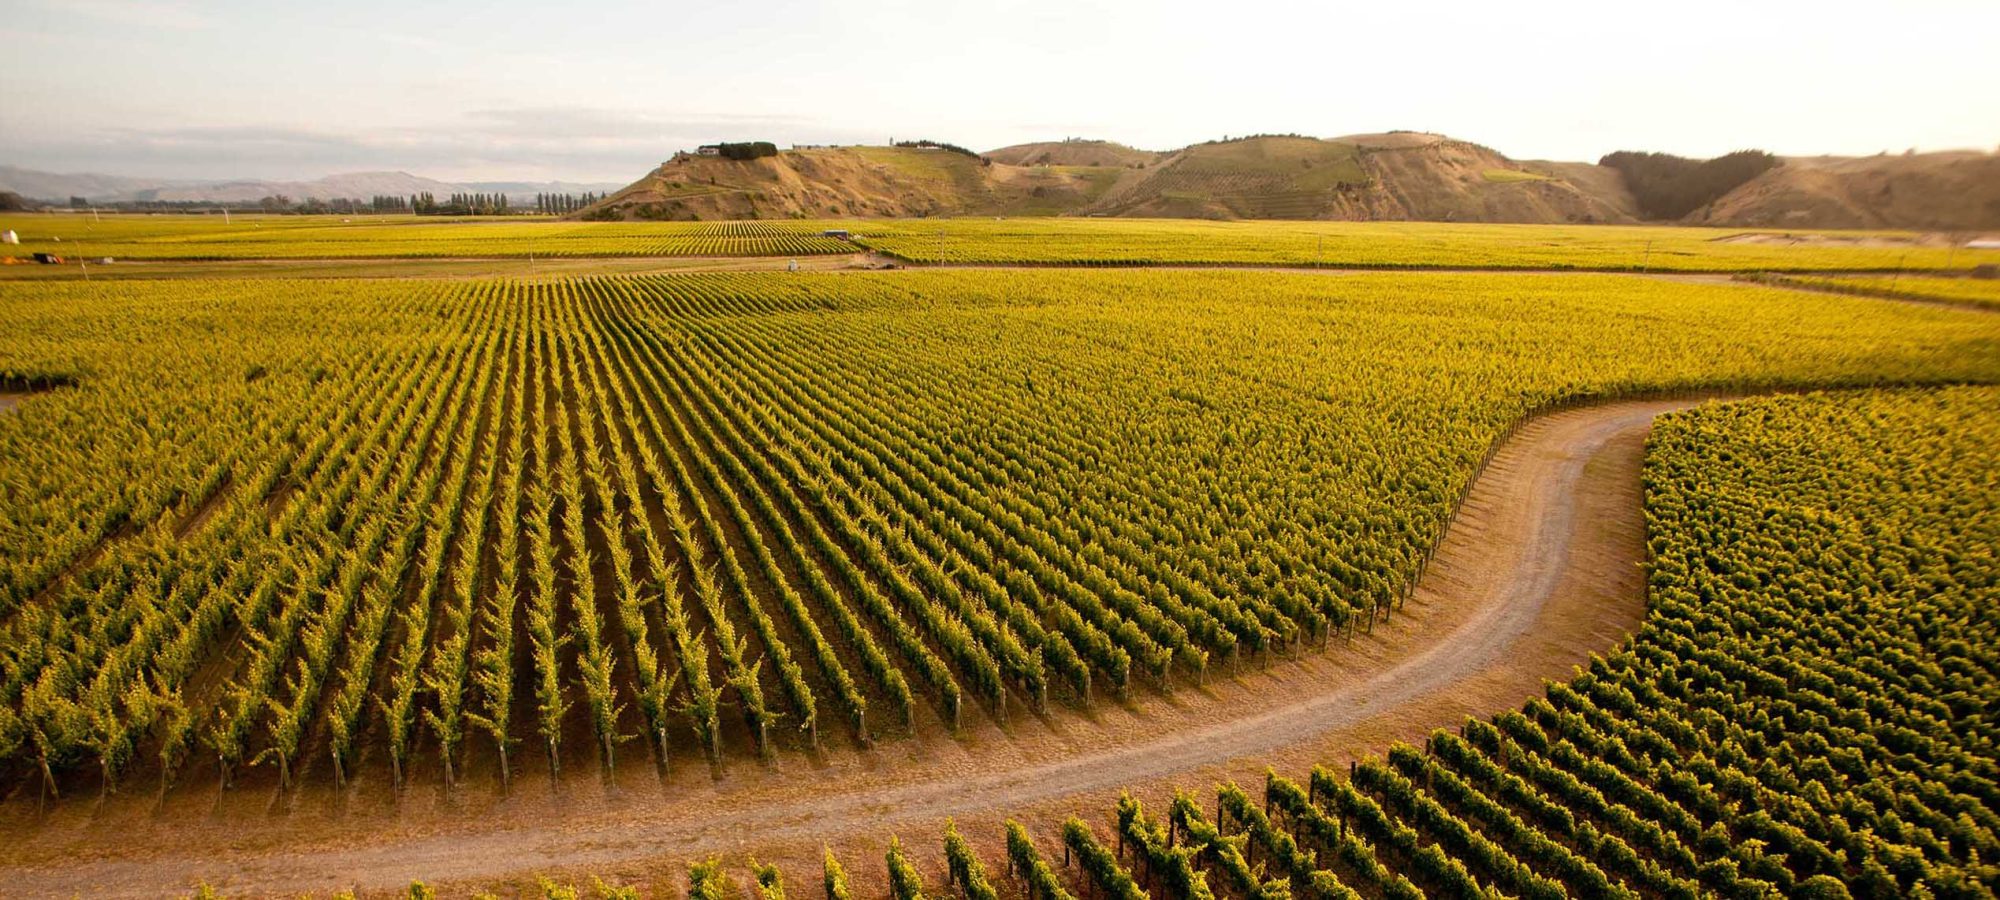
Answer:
(9, 237)
(708, 150)
(1980, 244)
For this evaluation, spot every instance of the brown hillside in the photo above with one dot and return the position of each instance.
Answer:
(1391, 140)
(849, 181)
(1248, 178)
(1398, 176)
(1602, 184)
(1074, 153)
(1456, 181)
(1947, 191)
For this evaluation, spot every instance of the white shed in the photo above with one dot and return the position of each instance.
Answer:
(9, 237)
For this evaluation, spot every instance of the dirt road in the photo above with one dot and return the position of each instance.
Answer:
(1539, 570)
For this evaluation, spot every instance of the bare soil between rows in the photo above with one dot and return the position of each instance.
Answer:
(1539, 570)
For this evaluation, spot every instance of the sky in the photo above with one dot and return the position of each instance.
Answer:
(517, 90)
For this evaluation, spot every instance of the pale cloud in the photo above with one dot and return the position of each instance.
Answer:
(495, 89)
(579, 144)
(133, 13)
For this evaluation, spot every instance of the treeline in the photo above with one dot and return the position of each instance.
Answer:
(746, 150)
(473, 204)
(941, 145)
(1669, 187)
(558, 204)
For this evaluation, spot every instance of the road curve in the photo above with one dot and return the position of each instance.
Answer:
(1538, 570)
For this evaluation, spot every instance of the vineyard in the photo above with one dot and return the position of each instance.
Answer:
(400, 237)
(1031, 241)
(1392, 245)
(283, 527)
(1965, 291)
(1735, 747)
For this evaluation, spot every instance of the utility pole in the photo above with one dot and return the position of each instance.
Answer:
(1899, 270)
(1647, 262)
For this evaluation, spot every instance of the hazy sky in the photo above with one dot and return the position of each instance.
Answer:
(603, 91)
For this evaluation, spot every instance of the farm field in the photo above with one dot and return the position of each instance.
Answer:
(373, 536)
(459, 268)
(1025, 241)
(1969, 291)
(1402, 245)
(209, 237)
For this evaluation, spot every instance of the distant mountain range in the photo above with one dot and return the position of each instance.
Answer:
(58, 187)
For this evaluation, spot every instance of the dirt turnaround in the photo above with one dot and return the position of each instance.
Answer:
(1541, 569)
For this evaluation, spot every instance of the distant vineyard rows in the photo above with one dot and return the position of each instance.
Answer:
(367, 237)
(1011, 241)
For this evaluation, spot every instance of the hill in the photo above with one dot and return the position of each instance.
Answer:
(1447, 180)
(1400, 176)
(55, 186)
(1074, 152)
(1271, 177)
(1397, 176)
(851, 181)
(1949, 191)
(357, 184)
(59, 187)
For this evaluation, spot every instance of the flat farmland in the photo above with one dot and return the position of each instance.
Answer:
(1007, 242)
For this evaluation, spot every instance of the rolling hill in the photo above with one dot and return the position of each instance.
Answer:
(1271, 177)
(852, 181)
(1401, 176)
(1421, 177)
(1404, 175)
(1074, 152)
(57, 187)
(1948, 191)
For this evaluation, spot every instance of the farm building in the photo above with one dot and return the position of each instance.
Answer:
(708, 150)
(840, 233)
(9, 237)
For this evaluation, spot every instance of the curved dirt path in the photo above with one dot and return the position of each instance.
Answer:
(1539, 570)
